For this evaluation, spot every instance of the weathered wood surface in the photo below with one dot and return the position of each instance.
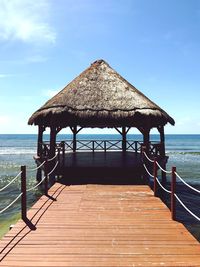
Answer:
(99, 225)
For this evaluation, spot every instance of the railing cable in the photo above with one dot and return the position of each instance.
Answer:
(35, 169)
(53, 158)
(186, 208)
(168, 191)
(148, 157)
(10, 182)
(163, 169)
(147, 170)
(11, 203)
(191, 187)
(35, 186)
(53, 169)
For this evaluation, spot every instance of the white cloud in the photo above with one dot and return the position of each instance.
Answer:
(25, 20)
(4, 75)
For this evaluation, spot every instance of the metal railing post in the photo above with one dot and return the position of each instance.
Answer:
(155, 174)
(173, 192)
(23, 191)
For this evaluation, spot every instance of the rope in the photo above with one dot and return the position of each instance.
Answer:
(148, 157)
(191, 187)
(162, 168)
(195, 216)
(35, 169)
(53, 169)
(162, 186)
(147, 170)
(34, 187)
(10, 182)
(53, 157)
(11, 203)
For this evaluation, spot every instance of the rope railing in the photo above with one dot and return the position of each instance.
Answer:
(174, 196)
(45, 177)
(186, 208)
(169, 172)
(12, 181)
(37, 168)
(52, 158)
(24, 190)
(150, 160)
(7, 207)
(166, 190)
(191, 187)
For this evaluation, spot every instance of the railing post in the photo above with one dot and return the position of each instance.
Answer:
(136, 147)
(23, 191)
(104, 146)
(93, 146)
(46, 177)
(173, 192)
(63, 152)
(155, 174)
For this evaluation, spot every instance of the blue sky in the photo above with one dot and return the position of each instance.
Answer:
(154, 44)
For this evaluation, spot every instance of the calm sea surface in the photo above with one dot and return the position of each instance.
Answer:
(17, 150)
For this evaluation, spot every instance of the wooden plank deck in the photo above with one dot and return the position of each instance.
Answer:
(99, 225)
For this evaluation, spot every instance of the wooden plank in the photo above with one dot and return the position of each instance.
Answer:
(99, 225)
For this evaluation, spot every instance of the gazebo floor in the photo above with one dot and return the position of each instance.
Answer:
(107, 168)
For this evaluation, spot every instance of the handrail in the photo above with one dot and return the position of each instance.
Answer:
(147, 157)
(191, 187)
(186, 208)
(166, 190)
(173, 185)
(35, 186)
(37, 168)
(3, 188)
(11, 203)
(163, 169)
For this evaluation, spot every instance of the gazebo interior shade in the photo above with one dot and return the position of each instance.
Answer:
(100, 97)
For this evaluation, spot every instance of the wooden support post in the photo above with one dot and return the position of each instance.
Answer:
(162, 140)
(46, 178)
(74, 130)
(40, 140)
(52, 153)
(104, 146)
(63, 152)
(146, 139)
(23, 191)
(173, 192)
(155, 174)
(123, 139)
(52, 142)
(93, 146)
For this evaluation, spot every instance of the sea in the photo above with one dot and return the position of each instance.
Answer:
(19, 149)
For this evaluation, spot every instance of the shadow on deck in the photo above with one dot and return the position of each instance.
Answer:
(102, 168)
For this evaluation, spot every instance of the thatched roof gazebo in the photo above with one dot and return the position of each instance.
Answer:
(99, 97)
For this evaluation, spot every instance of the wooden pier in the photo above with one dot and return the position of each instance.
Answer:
(99, 225)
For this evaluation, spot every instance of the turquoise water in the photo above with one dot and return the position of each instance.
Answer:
(17, 150)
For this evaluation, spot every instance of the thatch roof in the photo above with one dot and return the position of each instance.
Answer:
(100, 97)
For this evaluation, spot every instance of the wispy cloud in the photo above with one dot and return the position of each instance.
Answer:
(3, 75)
(26, 20)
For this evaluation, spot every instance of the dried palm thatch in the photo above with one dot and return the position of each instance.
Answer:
(100, 97)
